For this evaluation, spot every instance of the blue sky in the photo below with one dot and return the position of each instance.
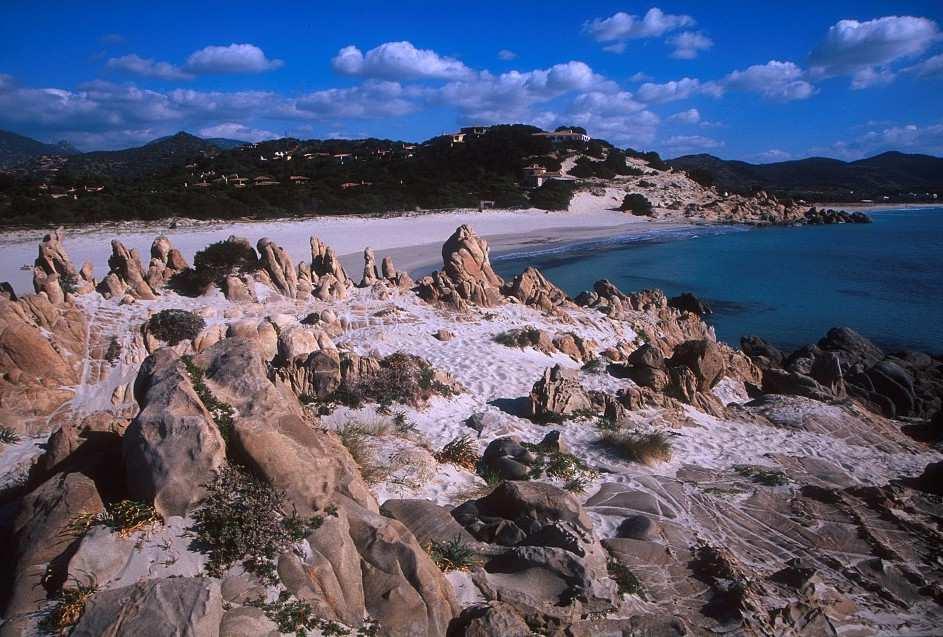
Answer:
(752, 81)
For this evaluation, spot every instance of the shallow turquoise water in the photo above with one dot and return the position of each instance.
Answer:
(788, 285)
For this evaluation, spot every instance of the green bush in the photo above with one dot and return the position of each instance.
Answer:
(174, 326)
(452, 555)
(243, 520)
(553, 195)
(213, 264)
(637, 204)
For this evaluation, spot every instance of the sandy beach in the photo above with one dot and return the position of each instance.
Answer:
(414, 241)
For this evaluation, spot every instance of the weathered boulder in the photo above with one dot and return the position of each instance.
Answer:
(43, 544)
(687, 302)
(239, 290)
(54, 260)
(851, 348)
(761, 352)
(277, 264)
(508, 458)
(370, 272)
(647, 368)
(166, 606)
(532, 288)
(126, 275)
(704, 358)
(466, 276)
(428, 521)
(489, 620)
(173, 447)
(166, 262)
(558, 393)
(324, 261)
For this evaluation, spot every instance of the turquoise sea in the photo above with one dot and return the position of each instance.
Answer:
(786, 284)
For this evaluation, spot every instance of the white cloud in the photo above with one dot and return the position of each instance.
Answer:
(677, 90)
(865, 50)
(147, 67)
(235, 130)
(773, 155)
(688, 44)
(373, 98)
(235, 58)
(506, 55)
(690, 116)
(931, 67)
(510, 96)
(773, 80)
(913, 138)
(689, 143)
(398, 61)
(622, 26)
(641, 77)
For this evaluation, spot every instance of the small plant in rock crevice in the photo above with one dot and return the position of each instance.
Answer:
(625, 579)
(67, 609)
(358, 437)
(125, 518)
(8, 436)
(243, 520)
(297, 617)
(452, 555)
(553, 463)
(221, 413)
(594, 365)
(767, 476)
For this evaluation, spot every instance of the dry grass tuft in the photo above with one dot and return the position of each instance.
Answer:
(645, 448)
(67, 609)
(461, 451)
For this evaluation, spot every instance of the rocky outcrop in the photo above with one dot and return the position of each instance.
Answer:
(551, 564)
(42, 347)
(687, 302)
(43, 544)
(466, 276)
(126, 276)
(568, 343)
(173, 447)
(177, 605)
(360, 562)
(53, 271)
(370, 272)
(558, 394)
(532, 288)
(277, 268)
(166, 262)
(324, 262)
(488, 620)
(814, 216)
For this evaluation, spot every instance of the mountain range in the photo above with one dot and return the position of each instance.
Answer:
(16, 149)
(891, 174)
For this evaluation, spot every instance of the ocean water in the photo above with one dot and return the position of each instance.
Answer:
(788, 285)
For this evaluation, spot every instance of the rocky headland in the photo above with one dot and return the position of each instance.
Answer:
(246, 445)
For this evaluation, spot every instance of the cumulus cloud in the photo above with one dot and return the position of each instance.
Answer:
(689, 143)
(147, 67)
(507, 55)
(640, 77)
(235, 58)
(774, 80)
(773, 155)
(688, 44)
(510, 96)
(622, 26)
(235, 130)
(371, 99)
(866, 50)
(677, 90)
(914, 138)
(690, 116)
(931, 67)
(398, 61)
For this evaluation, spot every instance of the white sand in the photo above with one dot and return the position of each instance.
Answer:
(414, 241)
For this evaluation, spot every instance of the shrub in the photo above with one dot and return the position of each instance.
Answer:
(297, 617)
(701, 176)
(452, 555)
(461, 451)
(402, 378)
(625, 579)
(594, 365)
(575, 473)
(126, 517)
(646, 448)
(221, 413)
(8, 436)
(173, 326)
(67, 609)
(553, 195)
(637, 204)
(68, 283)
(224, 258)
(763, 475)
(243, 520)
